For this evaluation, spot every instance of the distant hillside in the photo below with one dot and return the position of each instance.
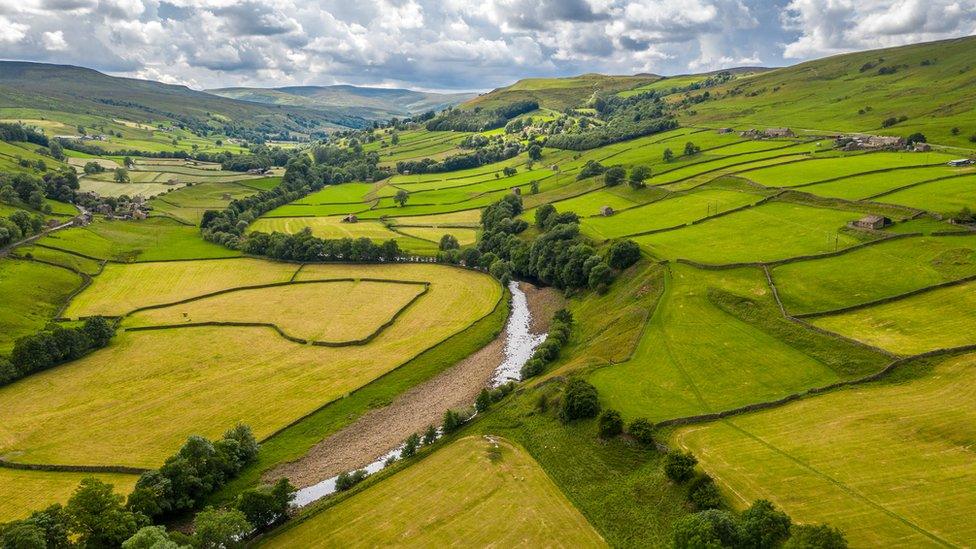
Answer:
(930, 85)
(559, 93)
(75, 90)
(369, 103)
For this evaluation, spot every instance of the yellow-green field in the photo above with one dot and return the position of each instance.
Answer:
(474, 492)
(27, 491)
(328, 311)
(203, 380)
(889, 464)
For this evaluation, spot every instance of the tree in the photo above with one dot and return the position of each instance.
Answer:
(430, 435)
(707, 529)
(703, 494)
(121, 175)
(600, 276)
(542, 215)
(220, 529)
(638, 175)
(96, 515)
(668, 155)
(691, 149)
(395, 138)
(449, 242)
(955, 131)
(679, 466)
(410, 446)
(128, 162)
(57, 152)
(265, 506)
(535, 152)
(763, 525)
(610, 424)
(623, 254)
(509, 171)
(916, 137)
(401, 197)
(483, 402)
(614, 176)
(22, 535)
(580, 401)
(642, 430)
(819, 536)
(452, 422)
(534, 187)
(93, 168)
(151, 537)
(347, 480)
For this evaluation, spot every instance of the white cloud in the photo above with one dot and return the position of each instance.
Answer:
(54, 41)
(12, 32)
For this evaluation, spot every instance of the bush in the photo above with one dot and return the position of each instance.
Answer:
(265, 506)
(430, 435)
(763, 525)
(614, 176)
(623, 254)
(642, 430)
(707, 529)
(483, 402)
(703, 494)
(452, 422)
(410, 446)
(610, 424)
(347, 480)
(679, 466)
(449, 242)
(820, 536)
(580, 401)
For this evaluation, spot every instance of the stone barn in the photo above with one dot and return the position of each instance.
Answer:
(606, 211)
(873, 222)
(351, 218)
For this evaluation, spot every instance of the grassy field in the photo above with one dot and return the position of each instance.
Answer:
(776, 230)
(340, 311)
(31, 294)
(947, 196)
(122, 288)
(152, 239)
(27, 491)
(496, 494)
(890, 464)
(220, 376)
(931, 320)
(842, 166)
(334, 228)
(694, 357)
(49, 255)
(465, 237)
(874, 272)
(860, 186)
(188, 203)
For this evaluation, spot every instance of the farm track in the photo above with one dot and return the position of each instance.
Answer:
(380, 429)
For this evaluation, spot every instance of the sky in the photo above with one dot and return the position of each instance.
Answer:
(453, 44)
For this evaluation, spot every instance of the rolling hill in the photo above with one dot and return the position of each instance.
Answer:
(365, 102)
(559, 93)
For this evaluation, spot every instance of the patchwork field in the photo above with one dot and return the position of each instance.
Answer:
(842, 166)
(211, 383)
(936, 319)
(496, 494)
(334, 228)
(874, 272)
(946, 196)
(889, 464)
(188, 203)
(861, 186)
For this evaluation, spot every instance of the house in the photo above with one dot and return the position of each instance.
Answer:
(922, 147)
(351, 218)
(873, 222)
(779, 132)
(606, 211)
(139, 214)
(960, 162)
(517, 190)
(724, 130)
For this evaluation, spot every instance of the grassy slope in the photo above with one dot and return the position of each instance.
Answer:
(31, 293)
(557, 93)
(27, 491)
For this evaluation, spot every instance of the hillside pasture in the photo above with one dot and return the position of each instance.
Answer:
(936, 319)
(28, 491)
(722, 164)
(861, 186)
(188, 203)
(31, 293)
(890, 464)
(335, 228)
(772, 231)
(465, 237)
(466, 218)
(874, 272)
(203, 380)
(846, 165)
(329, 311)
(945, 196)
(496, 494)
(346, 193)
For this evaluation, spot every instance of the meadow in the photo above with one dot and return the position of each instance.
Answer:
(890, 464)
(31, 293)
(874, 272)
(496, 494)
(866, 185)
(931, 320)
(945, 196)
(842, 166)
(188, 203)
(27, 491)
(334, 228)
(211, 383)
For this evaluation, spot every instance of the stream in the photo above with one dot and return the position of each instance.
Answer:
(520, 343)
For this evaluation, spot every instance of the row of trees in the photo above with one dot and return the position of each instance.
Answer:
(49, 348)
(26, 189)
(18, 225)
(548, 350)
(302, 246)
(479, 119)
(623, 119)
(19, 132)
(494, 150)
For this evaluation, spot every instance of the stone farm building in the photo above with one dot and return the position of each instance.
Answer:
(606, 211)
(351, 218)
(874, 222)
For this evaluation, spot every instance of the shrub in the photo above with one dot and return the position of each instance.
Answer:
(972, 138)
(266, 505)
(579, 401)
(623, 254)
(347, 480)
(452, 422)
(820, 536)
(430, 435)
(703, 494)
(532, 368)
(610, 424)
(642, 430)
(668, 155)
(449, 242)
(614, 176)
(954, 131)
(763, 525)
(483, 402)
(410, 446)
(679, 466)
(707, 529)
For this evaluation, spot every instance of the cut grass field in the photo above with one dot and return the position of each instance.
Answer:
(773, 231)
(890, 464)
(335, 228)
(28, 491)
(861, 186)
(188, 203)
(694, 357)
(465, 237)
(936, 319)
(946, 196)
(337, 311)
(31, 294)
(153, 239)
(495, 495)
(122, 288)
(842, 166)
(97, 409)
(874, 272)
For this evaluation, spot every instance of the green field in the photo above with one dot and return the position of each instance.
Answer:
(874, 272)
(889, 464)
(861, 186)
(946, 196)
(776, 230)
(496, 494)
(31, 294)
(334, 228)
(936, 319)
(188, 203)
(27, 491)
(842, 166)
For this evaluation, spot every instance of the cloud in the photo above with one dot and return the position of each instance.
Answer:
(452, 44)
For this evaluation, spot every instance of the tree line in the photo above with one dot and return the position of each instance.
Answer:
(18, 225)
(479, 119)
(48, 348)
(486, 153)
(624, 119)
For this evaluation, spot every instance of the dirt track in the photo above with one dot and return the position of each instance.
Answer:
(377, 431)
